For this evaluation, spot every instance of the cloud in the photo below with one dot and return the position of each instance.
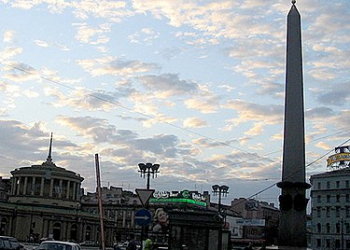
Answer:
(194, 122)
(247, 111)
(167, 85)
(8, 36)
(21, 72)
(114, 66)
(41, 43)
(93, 36)
(335, 95)
(10, 52)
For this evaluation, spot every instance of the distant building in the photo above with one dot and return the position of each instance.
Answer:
(259, 221)
(4, 188)
(330, 201)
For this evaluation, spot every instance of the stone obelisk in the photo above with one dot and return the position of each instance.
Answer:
(292, 228)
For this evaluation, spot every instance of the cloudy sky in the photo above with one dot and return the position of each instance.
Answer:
(196, 86)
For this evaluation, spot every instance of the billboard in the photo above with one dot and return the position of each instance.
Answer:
(338, 158)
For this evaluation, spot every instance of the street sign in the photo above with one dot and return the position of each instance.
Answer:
(143, 217)
(144, 195)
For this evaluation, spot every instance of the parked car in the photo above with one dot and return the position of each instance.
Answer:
(10, 243)
(58, 245)
(88, 243)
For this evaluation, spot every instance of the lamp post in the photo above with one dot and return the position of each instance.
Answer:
(146, 170)
(221, 191)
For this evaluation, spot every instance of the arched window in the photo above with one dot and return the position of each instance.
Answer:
(88, 233)
(319, 229)
(74, 232)
(3, 226)
(57, 231)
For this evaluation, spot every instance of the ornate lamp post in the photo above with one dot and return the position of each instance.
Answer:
(221, 191)
(148, 169)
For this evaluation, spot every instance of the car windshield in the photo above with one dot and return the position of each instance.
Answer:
(54, 246)
(14, 243)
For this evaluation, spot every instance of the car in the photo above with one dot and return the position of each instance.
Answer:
(58, 245)
(88, 243)
(10, 243)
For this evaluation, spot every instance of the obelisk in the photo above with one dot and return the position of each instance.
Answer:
(292, 227)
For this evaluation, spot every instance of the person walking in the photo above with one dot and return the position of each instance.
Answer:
(132, 243)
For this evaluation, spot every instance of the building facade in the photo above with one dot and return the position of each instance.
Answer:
(259, 221)
(330, 201)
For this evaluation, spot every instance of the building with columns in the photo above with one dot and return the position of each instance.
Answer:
(43, 201)
(330, 202)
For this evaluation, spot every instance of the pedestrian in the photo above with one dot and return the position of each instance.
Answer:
(132, 243)
(148, 244)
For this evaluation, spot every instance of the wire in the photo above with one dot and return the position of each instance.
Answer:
(190, 131)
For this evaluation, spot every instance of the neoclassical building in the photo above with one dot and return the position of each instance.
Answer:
(330, 200)
(44, 202)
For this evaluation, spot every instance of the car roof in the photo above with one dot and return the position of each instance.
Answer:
(60, 242)
(7, 237)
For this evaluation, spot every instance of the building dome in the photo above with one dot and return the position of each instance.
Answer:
(46, 184)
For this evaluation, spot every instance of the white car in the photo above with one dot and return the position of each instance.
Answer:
(58, 245)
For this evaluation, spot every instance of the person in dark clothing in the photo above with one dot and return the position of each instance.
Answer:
(132, 243)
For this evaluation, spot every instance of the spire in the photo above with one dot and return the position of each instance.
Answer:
(49, 158)
(294, 2)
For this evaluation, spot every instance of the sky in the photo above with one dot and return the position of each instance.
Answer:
(195, 86)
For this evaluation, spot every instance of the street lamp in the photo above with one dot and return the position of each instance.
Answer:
(221, 191)
(148, 169)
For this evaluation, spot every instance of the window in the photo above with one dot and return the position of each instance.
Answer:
(319, 229)
(318, 198)
(347, 198)
(318, 243)
(318, 185)
(347, 228)
(328, 209)
(337, 243)
(318, 212)
(337, 212)
(347, 212)
(328, 243)
(328, 228)
(328, 185)
(347, 184)
(338, 198)
(338, 184)
(328, 198)
(337, 228)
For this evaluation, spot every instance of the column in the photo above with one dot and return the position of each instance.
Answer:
(25, 185)
(61, 189)
(42, 186)
(68, 190)
(74, 190)
(33, 186)
(18, 185)
(51, 187)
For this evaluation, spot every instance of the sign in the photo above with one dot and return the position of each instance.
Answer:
(143, 217)
(251, 222)
(144, 195)
(337, 158)
(194, 195)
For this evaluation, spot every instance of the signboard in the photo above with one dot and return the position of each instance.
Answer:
(185, 196)
(144, 195)
(251, 222)
(338, 158)
(143, 217)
